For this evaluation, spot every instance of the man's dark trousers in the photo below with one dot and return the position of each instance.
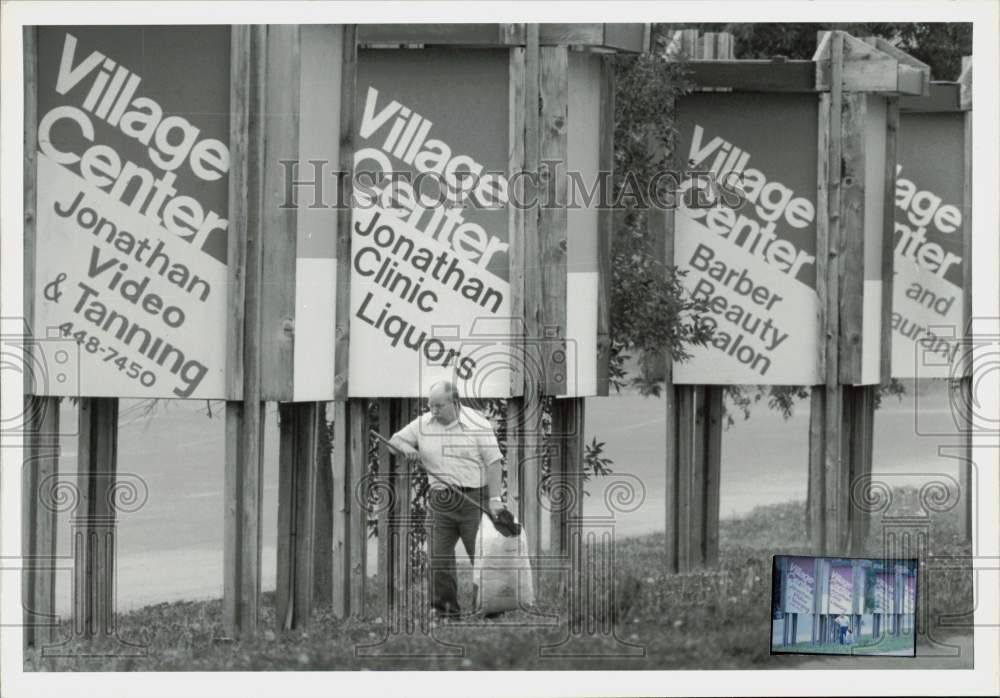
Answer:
(452, 518)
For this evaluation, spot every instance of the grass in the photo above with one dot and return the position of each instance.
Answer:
(881, 646)
(708, 619)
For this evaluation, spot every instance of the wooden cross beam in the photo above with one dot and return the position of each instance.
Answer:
(868, 68)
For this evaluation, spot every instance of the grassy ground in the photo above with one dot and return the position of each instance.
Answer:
(711, 619)
(902, 643)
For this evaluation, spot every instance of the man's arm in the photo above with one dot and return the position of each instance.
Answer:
(405, 441)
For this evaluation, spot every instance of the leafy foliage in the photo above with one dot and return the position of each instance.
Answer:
(650, 310)
(940, 45)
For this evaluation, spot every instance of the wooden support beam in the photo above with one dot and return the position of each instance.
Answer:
(94, 521)
(387, 427)
(40, 467)
(555, 34)
(575, 447)
(523, 80)
(833, 396)
(851, 266)
(965, 84)
(698, 433)
(39, 523)
(660, 228)
(533, 452)
(631, 37)
(557, 478)
(358, 508)
(242, 517)
(242, 91)
(566, 471)
(815, 495)
(398, 549)
(30, 172)
(908, 61)
(754, 75)
(551, 244)
(862, 430)
(299, 425)
(672, 473)
(943, 96)
(342, 306)
(244, 418)
(529, 409)
(397, 526)
(913, 75)
(826, 508)
(323, 519)
(515, 457)
(605, 225)
(626, 37)
(470, 35)
(862, 68)
(341, 509)
(888, 236)
(693, 421)
(280, 121)
(912, 81)
(516, 216)
(685, 458)
(302, 423)
(715, 415)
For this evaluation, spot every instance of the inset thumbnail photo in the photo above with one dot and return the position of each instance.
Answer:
(834, 605)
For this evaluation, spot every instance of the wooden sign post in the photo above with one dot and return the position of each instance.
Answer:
(798, 271)
(694, 413)
(858, 128)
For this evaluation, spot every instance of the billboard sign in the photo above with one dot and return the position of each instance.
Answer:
(749, 248)
(909, 590)
(885, 594)
(132, 191)
(841, 589)
(927, 288)
(430, 242)
(800, 585)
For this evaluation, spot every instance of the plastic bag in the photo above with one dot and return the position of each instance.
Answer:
(502, 570)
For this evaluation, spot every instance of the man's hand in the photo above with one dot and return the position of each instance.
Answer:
(407, 451)
(413, 457)
(496, 506)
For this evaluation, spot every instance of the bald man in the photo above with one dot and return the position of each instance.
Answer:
(457, 445)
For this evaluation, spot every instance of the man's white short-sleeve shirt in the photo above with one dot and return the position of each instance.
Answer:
(458, 452)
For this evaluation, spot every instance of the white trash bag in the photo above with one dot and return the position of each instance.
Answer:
(502, 570)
